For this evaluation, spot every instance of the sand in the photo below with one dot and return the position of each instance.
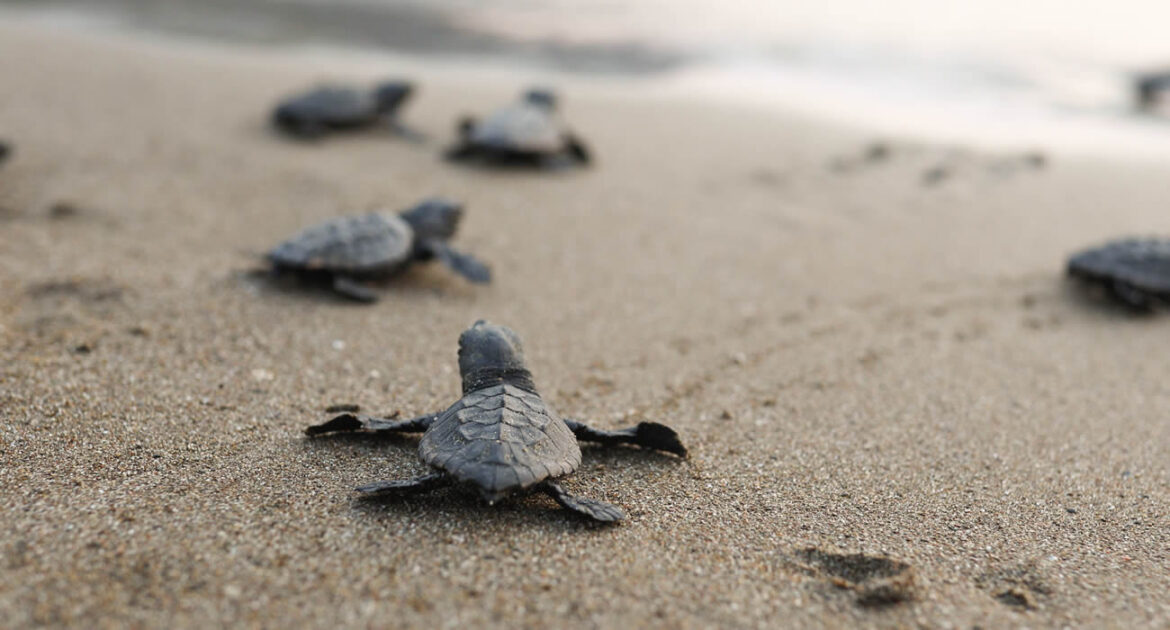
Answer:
(861, 363)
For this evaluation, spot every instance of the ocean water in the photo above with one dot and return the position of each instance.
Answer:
(1031, 73)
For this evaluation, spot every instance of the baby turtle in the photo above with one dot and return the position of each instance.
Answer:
(1152, 89)
(501, 438)
(1134, 271)
(346, 250)
(527, 133)
(332, 108)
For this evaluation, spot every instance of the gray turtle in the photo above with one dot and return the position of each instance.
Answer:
(1134, 271)
(501, 438)
(1152, 89)
(346, 250)
(332, 108)
(527, 133)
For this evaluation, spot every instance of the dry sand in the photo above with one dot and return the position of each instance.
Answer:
(861, 364)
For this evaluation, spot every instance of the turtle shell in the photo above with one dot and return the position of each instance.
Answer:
(370, 243)
(1139, 264)
(501, 439)
(523, 127)
(330, 105)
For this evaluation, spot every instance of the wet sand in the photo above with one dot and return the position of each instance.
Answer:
(871, 356)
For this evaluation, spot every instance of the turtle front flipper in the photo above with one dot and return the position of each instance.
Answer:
(346, 286)
(649, 435)
(577, 149)
(348, 422)
(596, 510)
(466, 126)
(465, 148)
(465, 265)
(401, 487)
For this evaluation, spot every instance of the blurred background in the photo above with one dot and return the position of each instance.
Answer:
(996, 72)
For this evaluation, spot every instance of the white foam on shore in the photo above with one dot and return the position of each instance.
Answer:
(993, 78)
(996, 73)
(1102, 122)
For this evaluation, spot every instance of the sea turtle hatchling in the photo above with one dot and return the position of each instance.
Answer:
(346, 250)
(501, 438)
(528, 132)
(1134, 271)
(334, 108)
(1152, 89)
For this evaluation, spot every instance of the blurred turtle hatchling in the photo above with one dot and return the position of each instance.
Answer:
(327, 108)
(344, 251)
(526, 133)
(1133, 271)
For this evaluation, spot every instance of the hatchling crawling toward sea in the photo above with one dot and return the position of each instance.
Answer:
(345, 251)
(526, 133)
(501, 438)
(1133, 271)
(334, 108)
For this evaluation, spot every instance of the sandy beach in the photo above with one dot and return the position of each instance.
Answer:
(865, 355)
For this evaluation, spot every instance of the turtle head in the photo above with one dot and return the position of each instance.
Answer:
(490, 354)
(541, 98)
(434, 219)
(390, 94)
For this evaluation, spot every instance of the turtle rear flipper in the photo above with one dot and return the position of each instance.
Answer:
(308, 131)
(399, 487)
(648, 435)
(551, 162)
(1132, 297)
(354, 290)
(465, 265)
(597, 510)
(297, 126)
(348, 422)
